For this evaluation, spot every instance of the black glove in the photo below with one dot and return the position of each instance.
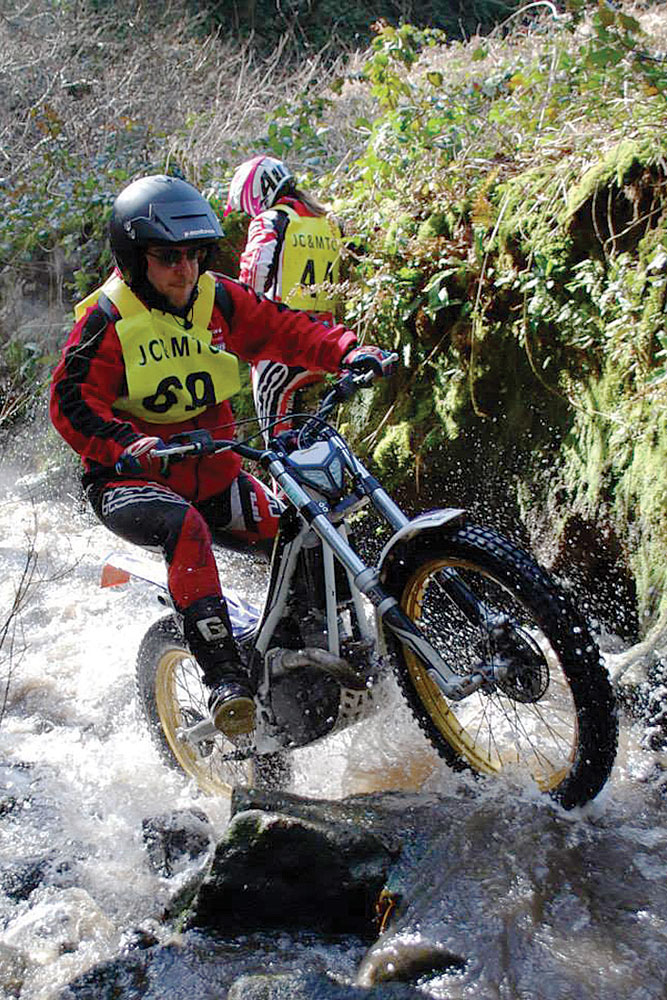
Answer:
(368, 359)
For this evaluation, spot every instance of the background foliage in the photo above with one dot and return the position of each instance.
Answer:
(504, 198)
(319, 25)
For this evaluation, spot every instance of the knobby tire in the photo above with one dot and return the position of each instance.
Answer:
(561, 725)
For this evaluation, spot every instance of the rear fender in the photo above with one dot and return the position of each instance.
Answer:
(121, 567)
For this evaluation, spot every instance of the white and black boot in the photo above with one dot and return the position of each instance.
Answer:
(207, 630)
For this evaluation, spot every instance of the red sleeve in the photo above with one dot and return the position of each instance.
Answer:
(86, 382)
(260, 248)
(261, 330)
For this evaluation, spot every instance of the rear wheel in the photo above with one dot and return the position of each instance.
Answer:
(551, 713)
(173, 697)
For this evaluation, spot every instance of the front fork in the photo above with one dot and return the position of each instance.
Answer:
(366, 580)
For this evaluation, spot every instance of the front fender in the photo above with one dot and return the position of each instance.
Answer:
(430, 523)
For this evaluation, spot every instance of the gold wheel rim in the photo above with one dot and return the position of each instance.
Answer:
(546, 773)
(168, 707)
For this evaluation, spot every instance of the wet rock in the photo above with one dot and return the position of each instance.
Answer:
(308, 986)
(408, 957)
(12, 971)
(16, 782)
(406, 824)
(174, 839)
(495, 892)
(390, 816)
(20, 881)
(57, 923)
(27, 810)
(197, 965)
(515, 886)
(280, 871)
(197, 962)
(123, 979)
(139, 939)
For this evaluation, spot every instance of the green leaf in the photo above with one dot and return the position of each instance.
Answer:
(628, 23)
(605, 56)
(605, 15)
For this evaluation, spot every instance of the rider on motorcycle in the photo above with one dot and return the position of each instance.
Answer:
(153, 353)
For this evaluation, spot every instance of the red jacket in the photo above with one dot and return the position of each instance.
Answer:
(90, 377)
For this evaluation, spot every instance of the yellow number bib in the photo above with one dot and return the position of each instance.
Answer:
(311, 256)
(172, 374)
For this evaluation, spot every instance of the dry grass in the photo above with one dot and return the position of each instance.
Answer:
(133, 74)
(580, 129)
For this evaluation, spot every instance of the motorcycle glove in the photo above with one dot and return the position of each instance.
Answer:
(138, 458)
(367, 358)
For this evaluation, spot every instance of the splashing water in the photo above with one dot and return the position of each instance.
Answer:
(80, 774)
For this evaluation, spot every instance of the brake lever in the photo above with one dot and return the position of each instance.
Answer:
(191, 444)
(346, 387)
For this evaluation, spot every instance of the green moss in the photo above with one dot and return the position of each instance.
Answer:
(393, 456)
(614, 167)
(398, 232)
(437, 224)
(613, 466)
(641, 503)
(452, 403)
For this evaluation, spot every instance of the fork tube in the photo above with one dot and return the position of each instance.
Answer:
(449, 579)
(366, 578)
(315, 513)
(386, 506)
(378, 495)
(330, 594)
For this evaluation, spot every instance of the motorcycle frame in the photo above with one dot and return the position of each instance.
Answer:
(325, 521)
(323, 514)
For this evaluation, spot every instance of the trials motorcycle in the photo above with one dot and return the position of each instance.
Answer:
(498, 668)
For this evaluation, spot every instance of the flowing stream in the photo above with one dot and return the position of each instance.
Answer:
(78, 773)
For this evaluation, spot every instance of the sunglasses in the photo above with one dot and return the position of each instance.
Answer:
(171, 256)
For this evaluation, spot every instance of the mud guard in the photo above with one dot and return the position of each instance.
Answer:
(424, 524)
(120, 567)
(430, 523)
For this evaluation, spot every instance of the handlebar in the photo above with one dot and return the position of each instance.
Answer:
(201, 442)
(349, 384)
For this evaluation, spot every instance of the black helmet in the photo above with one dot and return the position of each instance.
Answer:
(159, 209)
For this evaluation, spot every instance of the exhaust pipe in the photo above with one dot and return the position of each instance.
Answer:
(339, 669)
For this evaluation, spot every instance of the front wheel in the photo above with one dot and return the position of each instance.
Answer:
(172, 697)
(551, 713)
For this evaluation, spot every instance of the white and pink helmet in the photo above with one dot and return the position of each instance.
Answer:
(256, 185)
